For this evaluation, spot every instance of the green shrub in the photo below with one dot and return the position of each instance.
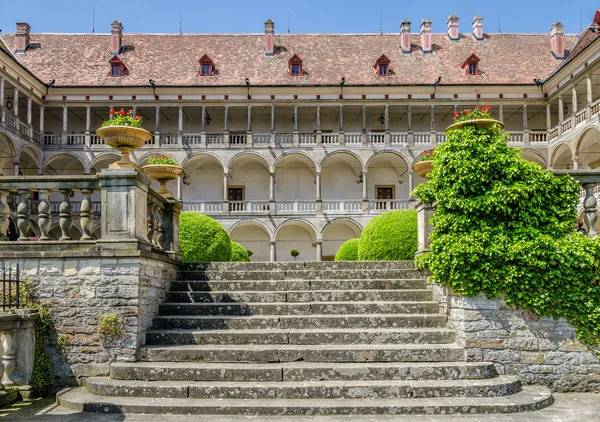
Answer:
(202, 239)
(294, 253)
(504, 226)
(389, 237)
(111, 327)
(238, 253)
(348, 251)
(250, 253)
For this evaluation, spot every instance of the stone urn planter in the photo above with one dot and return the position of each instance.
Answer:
(478, 123)
(423, 168)
(163, 174)
(125, 139)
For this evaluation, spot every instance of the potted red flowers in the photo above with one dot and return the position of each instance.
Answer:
(424, 163)
(480, 117)
(162, 168)
(124, 132)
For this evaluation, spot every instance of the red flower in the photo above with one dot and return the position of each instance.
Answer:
(138, 117)
(476, 107)
(486, 108)
(112, 112)
(456, 114)
(130, 112)
(122, 112)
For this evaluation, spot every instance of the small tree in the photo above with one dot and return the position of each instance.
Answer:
(294, 253)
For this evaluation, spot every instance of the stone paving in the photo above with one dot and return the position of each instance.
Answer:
(568, 407)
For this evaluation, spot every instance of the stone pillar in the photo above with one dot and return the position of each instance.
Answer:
(501, 113)
(295, 118)
(23, 223)
(249, 119)
(273, 256)
(548, 117)
(590, 92)
(29, 112)
(424, 229)
(365, 193)
(65, 119)
(272, 118)
(409, 117)
(88, 118)
(1, 92)
(319, 250)
(410, 181)
(9, 357)
(157, 121)
(134, 110)
(386, 118)
(341, 128)
(432, 118)
(203, 119)
(86, 214)
(180, 187)
(16, 102)
(318, 118)
(225, 187)
(271, 186)
(16, 168)
(364, 118)
(318, 186)
(226, 128)
(180, 120)
(525, 126)
(574, 99)
(590, 208)
(561, 109)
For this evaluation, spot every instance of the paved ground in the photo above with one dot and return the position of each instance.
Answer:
(581, 407)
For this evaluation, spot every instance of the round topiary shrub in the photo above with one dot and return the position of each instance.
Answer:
(348, 251)
(390, 237)
(202, 239)
(238, 253)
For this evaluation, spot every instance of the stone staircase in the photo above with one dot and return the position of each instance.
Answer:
(302, 339)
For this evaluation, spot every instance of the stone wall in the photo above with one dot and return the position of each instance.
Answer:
(78, 288)
(539, 350)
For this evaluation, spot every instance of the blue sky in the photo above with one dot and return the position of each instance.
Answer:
(307, 16)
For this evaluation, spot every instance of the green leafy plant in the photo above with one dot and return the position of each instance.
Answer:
(426, 155)
(165, 159)
(476, 113)
(249, 252)
(111, 327)
(348, 251)
(389, 237)
(122, 118)
(238, 253)
(504, 226)
(202, 239)
(63, 344)
(294, 253)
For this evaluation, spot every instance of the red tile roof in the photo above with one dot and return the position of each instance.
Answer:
(172, 59)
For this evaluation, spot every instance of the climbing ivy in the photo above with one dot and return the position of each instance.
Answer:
(504, 226)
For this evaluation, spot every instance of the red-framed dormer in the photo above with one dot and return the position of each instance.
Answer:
(295, 66)
(471, 65)
(382, 66)
(117, 67)
(207, 66)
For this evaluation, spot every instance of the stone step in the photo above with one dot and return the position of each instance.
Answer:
(311, 336)
(300, 265)
(305, 308)
(304, 274)
(299, 371)
(306, 353)
(294, 285)
(299, 296)
(386, 389)
(531, 398)
(194, 322)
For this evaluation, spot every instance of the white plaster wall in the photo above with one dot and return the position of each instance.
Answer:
(339, 182)
(255, 239)
(295, 237)
(295, 183)
(378, 176)
(205, 185)
(255, 180)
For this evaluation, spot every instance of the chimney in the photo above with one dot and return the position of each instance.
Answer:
(405, 45)
(116, 38)
(556, 40)
(478, 28)
(22, 34)
(269, 38)
(453, 33)
(426, 36)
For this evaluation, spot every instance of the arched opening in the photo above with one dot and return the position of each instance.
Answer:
(341, 177)
(589, 149)
(102, 162)
(28, 162)
(298, 235)
(203, 190)
(387, 185)
(534, 157)
(335, 234)
(63, 165)
(254, 236)
(248, 186)
(7, 156)
(295, 178)
(562, 157)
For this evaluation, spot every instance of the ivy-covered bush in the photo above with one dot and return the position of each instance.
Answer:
(389, 237)
(504, 225)
(348, 251)
(238, 253)
(202, 239)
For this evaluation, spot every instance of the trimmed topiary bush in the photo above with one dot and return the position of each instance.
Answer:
(202, 239)
(390, 237)
(348, 251)
(238, 253)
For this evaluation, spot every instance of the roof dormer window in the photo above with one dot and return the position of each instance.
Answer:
(471, 65)
(382, 66)
(117, 67)
(295, 66)
(207, 67)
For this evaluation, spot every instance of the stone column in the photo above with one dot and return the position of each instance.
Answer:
(341, 128)
(23, 223)
(501, 113)
(409, 117)
(410, 181)
(88, 118)
(42, 123)
(365, 193)
(574, 99)
(64, 124)
(318, 118)
(1, 92)
(432, 118)
(203, 119)
(9, 357)
(364, 118)
(180, 120)
(273, 256)
(87, 214)
(424, 229)
(272, 118)
(226, 128)
(318, 185)
(271, 186)
(16, 102)
(157, 121)
(134, 110)
(29, 112)
(249, 119)
(386, 118)
(295, 118)
(180, 187)
(225, 187)
(590, 92)
(548, 117)
(15, 168)
(561, 109)
(319, 250)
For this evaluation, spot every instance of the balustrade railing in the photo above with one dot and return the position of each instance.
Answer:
(76, 139)
(399, 139)
(52, 139)
(580, 117)
(377, 138)
(191, 139)
(567, 125)
(23, 129)
(253, 207)
(354, 138)
(10, 121)
(204, 207)
(296, 207)
(440, 137)
(330, 138)
(237, 139)
(308, 139)
(215, 139)
(169, 138)
(36, 136)
(538, 136)
(595, 107)
(96, 140)
(261, 139)
(343, 207)
(422, 138)
(382, 205)
(553, 134)
(515, 137)
(284, 139)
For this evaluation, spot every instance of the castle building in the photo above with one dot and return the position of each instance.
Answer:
(291, 141)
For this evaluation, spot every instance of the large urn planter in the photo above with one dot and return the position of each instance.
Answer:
(478, 123)
(423, 168)
(125, 139)
(163, 174)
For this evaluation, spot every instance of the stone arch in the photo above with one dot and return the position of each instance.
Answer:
(331, 154)
(341, 176)
(562, 156)
(29, 161)
(198, 169)
(336, 232)
(387, 151)
(101, 159)
(195, 155)
(535, 156)
(296, 233)
(287, 155)
(295, 177)
(388, 170)
(255, 235)
(258, 156)
(69, 167)
(7, 155)
(587, 148)
(250, 173)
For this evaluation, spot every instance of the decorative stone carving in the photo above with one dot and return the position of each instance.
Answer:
(44, 214)
(23, 222)
(65, 215)
(4, 212)
(86, 214)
